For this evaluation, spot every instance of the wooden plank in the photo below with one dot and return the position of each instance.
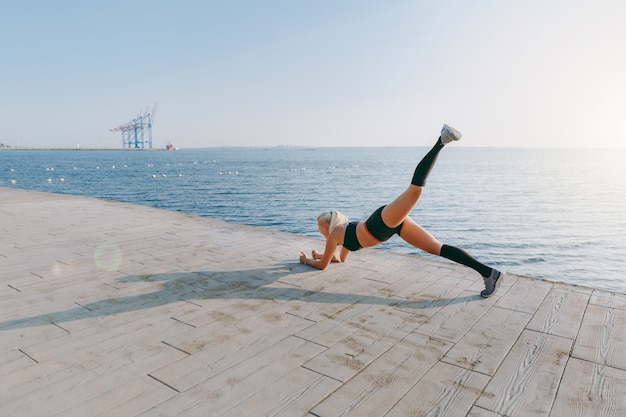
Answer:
(250, 384)
(591, 390)
(432, 299)
(481, 412)
(601, 338)
(240, 325)
(144, 401)
(105, 337)
(525, 296)
(526, 383)
(118, 398)
(445, 391)
(326, 332)
(385, 321)
(16, 388)
(292, 395)
(320, 306)
(69, 385)
(484, 346)
(18, 338)
(13, 361)
(361, 317)
(608, 299)
(219, 357)
(105, 342)
(206, 312)
(560, 314)
(414, 283)
(375, 390)
(348, 357)
(245, 378)
(58, 306)
(455, 318)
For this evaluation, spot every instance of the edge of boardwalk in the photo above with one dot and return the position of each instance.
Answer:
(115, 309)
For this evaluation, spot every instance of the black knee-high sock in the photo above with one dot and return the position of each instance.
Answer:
(426, 165)
(460, 256)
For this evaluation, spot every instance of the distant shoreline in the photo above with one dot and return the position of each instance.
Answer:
(82, 149)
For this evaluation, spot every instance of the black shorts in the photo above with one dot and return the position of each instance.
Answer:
(378, 229)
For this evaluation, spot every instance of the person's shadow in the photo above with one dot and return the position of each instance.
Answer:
(207, 285)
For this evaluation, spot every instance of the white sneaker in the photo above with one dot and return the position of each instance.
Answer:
(449, 134)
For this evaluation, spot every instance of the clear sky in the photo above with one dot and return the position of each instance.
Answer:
(532, 73)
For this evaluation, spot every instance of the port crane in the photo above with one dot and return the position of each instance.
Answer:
(138, 132)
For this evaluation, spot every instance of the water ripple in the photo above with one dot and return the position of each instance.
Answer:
(550, 214)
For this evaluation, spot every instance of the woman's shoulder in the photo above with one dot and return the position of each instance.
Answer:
(339, 231)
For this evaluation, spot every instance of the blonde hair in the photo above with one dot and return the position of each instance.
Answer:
(332, 219)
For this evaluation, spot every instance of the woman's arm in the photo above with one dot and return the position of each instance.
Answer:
(343, 255)
(318, 255)
(329, 252)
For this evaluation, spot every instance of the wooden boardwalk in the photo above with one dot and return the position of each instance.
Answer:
(112, 309)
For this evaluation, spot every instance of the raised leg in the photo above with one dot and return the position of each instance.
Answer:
(399, 209)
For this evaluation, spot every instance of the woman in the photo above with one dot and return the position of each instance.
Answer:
(394, 219)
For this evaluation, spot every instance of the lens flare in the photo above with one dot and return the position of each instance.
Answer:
(108, 257)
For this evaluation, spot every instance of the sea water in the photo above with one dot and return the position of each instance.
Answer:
(551, 214)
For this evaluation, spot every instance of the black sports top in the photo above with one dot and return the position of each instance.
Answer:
(350, 241)
(376, 228)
